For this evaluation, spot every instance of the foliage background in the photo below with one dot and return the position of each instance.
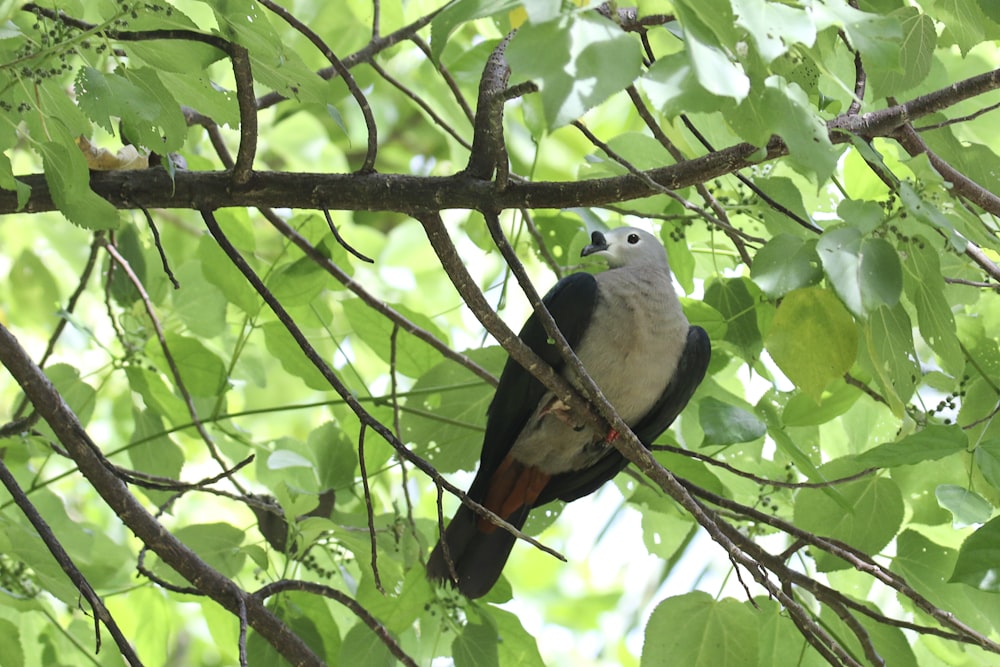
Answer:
(846, 273)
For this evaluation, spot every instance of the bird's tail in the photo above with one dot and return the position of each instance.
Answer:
(478, 555)
(478, 548)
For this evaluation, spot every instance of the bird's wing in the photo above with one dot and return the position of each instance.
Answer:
(571, 303)
(690, 371)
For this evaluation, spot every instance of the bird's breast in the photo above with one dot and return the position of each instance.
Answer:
(631, 348)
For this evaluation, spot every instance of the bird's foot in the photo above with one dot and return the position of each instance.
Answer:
(563, 413)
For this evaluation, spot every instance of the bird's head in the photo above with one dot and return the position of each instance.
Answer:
(626, 246)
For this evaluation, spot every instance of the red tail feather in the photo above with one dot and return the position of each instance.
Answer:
(514, 485)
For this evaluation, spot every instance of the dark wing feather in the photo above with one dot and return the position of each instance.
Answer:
(479, 556)
(571, 304)
(690, 371)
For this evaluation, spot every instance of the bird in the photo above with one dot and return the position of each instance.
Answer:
(628, 329)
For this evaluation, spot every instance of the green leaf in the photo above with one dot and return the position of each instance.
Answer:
(705, 316)
(163, 131)
(516, 646)
(8, 182)
(967, 507)
(20, 542)
(925, 288)
(978, 563)
(733, 298)
(681, 259)
(11, 652)
(964, 23)
(414, 357)
(217, 543)
(179, 56)
(861, 214)
(803, 410)
(774, 27)
(876, 513)
(476, 646)
(150, 115)
(694, 629)
(363, 647)
(297, 283)
(990, 9)
(639, 150)
(157, 396)
(726, 424)
(889, 339)
(865, 273)
(129, 247)
(987, 457)
(877, 37)
(886, 640)
(915, 205)
(286, 458)
(710, 34)
(926, 564)
(309, 617)
(219, 270)
(779, 641)
(151, 450)
(445, 413)
(812, 339)
(33, 290)
(199, 303)
(673, 87)
(273, 62)
(560, 232)
(916, 54)
(929, 444)
(199, 92)
(783, 108)
(202, 371)
(663, 534)
(78, 394)
(788, 193)
(283, 347)
(463, 11)
(588, 58)
(784, 264)
(69, 183)
(336, 456)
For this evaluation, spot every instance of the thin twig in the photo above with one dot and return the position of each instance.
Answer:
(159, 249)
(764, 481)
(370, 511)
(339, 596)
(425, 106)
(169, 357)
(340, 239)
(345, 74)
(67, 565)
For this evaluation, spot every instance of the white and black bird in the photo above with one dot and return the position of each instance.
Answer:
(629, 331)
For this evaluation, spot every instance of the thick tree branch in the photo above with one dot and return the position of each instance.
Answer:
(153, 188)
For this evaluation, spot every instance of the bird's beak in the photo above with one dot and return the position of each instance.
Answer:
(597, 244)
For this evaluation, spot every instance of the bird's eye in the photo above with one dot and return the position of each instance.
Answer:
(633, 238)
